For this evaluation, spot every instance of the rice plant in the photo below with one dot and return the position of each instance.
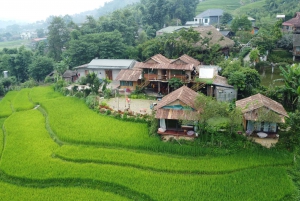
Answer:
(16, 192)
(5, 104)
(21, 101)
(171, 163)
(29, 151)
(38, 94)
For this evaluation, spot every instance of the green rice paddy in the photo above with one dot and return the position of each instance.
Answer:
(102, 158)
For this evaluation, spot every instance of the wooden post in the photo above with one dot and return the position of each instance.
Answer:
(158, 87)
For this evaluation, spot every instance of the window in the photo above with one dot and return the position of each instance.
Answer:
(126, 83)
(177, 72)
(206, 21)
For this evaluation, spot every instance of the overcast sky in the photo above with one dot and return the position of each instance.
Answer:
(34, 10)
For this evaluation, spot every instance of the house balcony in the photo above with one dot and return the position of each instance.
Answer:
(165, 78)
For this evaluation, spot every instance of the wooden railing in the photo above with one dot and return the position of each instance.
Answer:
(183, 78)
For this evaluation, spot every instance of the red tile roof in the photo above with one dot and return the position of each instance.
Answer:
(294, 21)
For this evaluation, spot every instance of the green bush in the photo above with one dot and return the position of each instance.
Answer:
(280, 56)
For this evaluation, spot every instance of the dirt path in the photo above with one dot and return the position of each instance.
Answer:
(266, 142)
(136, 105)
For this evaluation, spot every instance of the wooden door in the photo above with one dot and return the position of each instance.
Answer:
(108, 74)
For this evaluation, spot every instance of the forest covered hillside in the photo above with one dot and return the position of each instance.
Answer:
(264, 11)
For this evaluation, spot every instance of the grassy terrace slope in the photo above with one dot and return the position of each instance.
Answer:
(231, 6)
(73, 122)
(13, 44)
(6, 108)
(30, 160)
(33, 165)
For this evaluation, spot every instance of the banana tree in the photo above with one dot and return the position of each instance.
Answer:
(290, 89)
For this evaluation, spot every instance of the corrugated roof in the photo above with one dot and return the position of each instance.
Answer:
(257, 101)
(111, 63)
(210, 12)
(171, 29)
(69, 74)
(129, 75)
(82, 66)
(176, 114)
(214, 35)
(221, 81)
(184, 94)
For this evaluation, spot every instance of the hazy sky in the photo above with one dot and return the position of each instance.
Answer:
(33, 10)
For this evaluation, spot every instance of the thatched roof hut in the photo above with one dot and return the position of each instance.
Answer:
(215, 37)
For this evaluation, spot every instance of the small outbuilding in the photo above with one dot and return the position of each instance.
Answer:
(129, 79)
(261, 115)
(105, 68)
(70, 76)
(177, 113)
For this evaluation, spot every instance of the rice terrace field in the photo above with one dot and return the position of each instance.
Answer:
(62, 150)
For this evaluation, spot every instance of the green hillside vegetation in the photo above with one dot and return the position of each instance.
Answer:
(228, 6)
(13, 44)
(245, 8)
(92, 162)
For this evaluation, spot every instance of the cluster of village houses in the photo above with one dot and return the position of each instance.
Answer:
(179, 104)
(154, 74)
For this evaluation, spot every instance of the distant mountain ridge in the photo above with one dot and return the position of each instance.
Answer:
(107, 8)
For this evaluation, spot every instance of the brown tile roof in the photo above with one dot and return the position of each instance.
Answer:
(257, 101)
(165, 66)
(184, 94)
(176, 114)
(129, 75)
(189, 60)
(216, 37)
(159, 59)
(294, 21)
(221, 81)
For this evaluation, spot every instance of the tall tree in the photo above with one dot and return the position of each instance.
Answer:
(105, 45)
(20, 63)
(41, 67)
(57, 37)
(241, 24)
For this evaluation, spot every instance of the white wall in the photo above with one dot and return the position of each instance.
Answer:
(115, 74)
(100, 73)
